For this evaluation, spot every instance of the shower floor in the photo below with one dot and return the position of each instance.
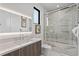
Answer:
(62, 49)
(53, 53)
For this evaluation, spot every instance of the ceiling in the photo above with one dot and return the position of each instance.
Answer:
(26, 8)
(53, 6)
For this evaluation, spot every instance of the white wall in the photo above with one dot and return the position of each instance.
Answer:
(24, 8)
(41, 35)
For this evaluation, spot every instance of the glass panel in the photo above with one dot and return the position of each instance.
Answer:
(58, 31)
(35, 16)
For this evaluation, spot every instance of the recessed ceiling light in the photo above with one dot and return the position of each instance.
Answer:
(58, 6)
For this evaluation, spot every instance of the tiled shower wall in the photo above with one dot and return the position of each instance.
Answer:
(60, 25)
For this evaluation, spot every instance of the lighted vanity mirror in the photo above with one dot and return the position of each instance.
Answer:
(10, 22)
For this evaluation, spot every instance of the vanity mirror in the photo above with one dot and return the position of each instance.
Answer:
(10, 22)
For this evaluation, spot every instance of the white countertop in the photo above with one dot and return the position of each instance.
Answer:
(14, 34)
(12, 46)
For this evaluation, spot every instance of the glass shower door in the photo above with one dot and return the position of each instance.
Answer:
(58, 32)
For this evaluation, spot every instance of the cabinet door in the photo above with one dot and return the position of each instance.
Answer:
(27, 50)
(31, 50)
(37, 48)
(34, 49)
(15, 53)
(9, 54)
(21, 51)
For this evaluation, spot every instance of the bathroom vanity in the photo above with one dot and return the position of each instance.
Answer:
(33, 49)
(13, 45)
(16, 37)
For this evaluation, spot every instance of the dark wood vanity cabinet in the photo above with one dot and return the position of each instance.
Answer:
(14, 53)
(30, 50)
